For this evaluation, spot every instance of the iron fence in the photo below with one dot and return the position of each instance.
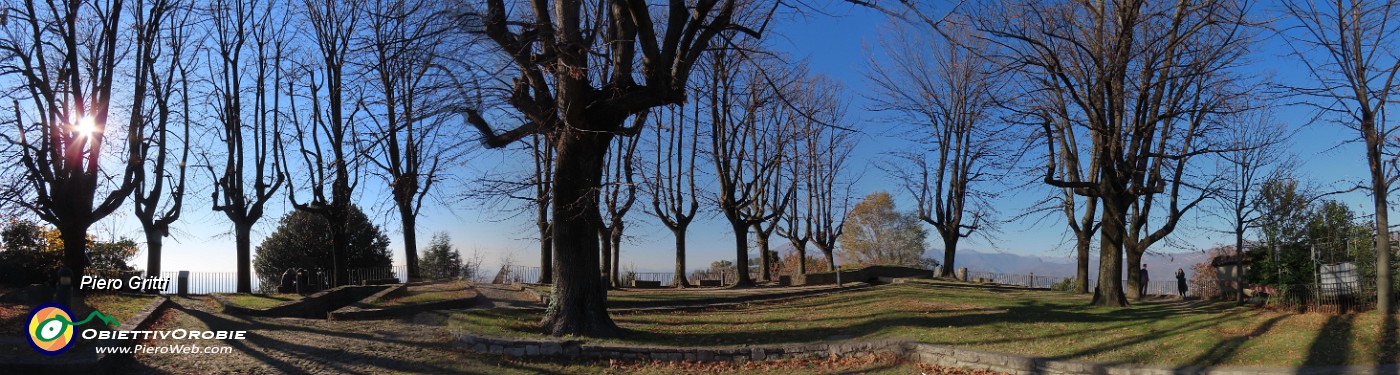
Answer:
(665, 278)
(1026, 279)
(200, 282)
(517, 274)
(1331, 297)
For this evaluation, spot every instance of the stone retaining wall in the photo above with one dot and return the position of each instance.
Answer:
(909, 351)
(870, 274)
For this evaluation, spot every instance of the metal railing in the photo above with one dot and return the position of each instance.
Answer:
(227, 282)
(516, 274)
(1332, 297)
(1022, 279)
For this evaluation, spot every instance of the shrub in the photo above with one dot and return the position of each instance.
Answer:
(303, 240)
(1063, 286)
(1204, 281)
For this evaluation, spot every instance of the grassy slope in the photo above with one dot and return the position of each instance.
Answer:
(1045, 324)
(119, 306)
(259, 301)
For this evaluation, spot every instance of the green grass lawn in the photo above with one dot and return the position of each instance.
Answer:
(119, 306)
(419, 294)
(1047, 324)
(260, 301)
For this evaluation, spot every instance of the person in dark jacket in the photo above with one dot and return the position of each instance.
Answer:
(1142, 281)
(1181, 283)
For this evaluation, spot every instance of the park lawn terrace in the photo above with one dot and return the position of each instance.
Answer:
(1038, 323)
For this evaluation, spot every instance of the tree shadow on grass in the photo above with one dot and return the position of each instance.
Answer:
(258, 344)
(1223, 350)
(1332, 345)
(1390, 347)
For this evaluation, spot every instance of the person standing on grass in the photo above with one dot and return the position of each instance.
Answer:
(1142, 281)
(1181, 283)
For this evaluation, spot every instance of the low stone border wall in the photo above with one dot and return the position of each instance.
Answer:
(365, 310)
(142, 320)
(708, 303)
(909, 351)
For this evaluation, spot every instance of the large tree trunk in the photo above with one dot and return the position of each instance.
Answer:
(1383, 266)
(410, 241)
(75, 252)
(765, 264)
(243, 246)
(1135, 275)
(1112, 232)
(605, 250)
(678, 280)
(950, 251)
(801, 257)
(578, 302)
(1239, 263)
(154, 242)
(546, 255)
(741, 251)
(614, 271)
(1081, 269)
(339, 268)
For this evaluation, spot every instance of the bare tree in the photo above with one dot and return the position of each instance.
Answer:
(581, 106)
(828, 188)
(619, 193)
(746, 147)
(251, 133)
(65, 58)
(324, 131)
(1147, 81)
(672, 182)
(1256, 140)
(543, 156)
(809, 167)
(402, 42)
(951, 95)
(169, 88)
(1348, 48)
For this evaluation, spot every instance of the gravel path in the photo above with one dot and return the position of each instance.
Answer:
(288, 345)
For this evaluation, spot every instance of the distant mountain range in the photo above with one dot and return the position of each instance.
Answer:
(1160, 267)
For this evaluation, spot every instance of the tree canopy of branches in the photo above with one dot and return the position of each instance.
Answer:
(1148, 82)
(324, 129)
(1348, 49)
(248, 118)
(619, 193)
(671, 182)
(66, 58)
(949, 95)
(578, 83)
(813, 167)
(746, 146)
(168, 119)
(405, 41)
(1256, 153)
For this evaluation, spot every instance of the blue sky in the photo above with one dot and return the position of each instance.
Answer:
(834, 44)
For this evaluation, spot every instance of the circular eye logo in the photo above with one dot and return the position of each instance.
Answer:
(50, 328)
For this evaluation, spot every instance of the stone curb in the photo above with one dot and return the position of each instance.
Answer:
(142, 320)
(907, 351)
